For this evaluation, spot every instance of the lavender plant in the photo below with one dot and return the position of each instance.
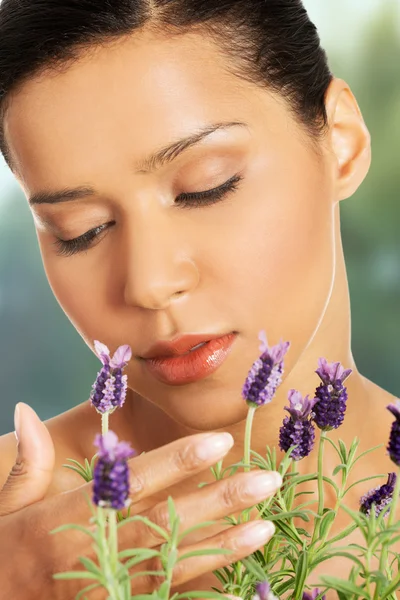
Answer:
(282, 569)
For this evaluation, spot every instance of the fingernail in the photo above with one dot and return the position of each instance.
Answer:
(258, 532)
(17, 423)
(260, 484)
(214, 446)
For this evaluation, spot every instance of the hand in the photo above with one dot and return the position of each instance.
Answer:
(31, 554)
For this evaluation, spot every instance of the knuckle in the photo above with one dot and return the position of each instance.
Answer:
(159, 515)
(186, 458)
(234, 492)
(231, 541)
(181, 572)
(153, 582)
(19, 469)
(240, 490)
(137, 481)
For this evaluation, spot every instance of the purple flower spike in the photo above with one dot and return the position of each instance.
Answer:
(109, 389)
(313, 595)
(298, 428)
(263, 592)
(381, 496)
(266, 373)
(111, 472)
(394, 440)
(331, 395)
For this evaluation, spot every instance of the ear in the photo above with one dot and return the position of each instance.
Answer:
(349, 139)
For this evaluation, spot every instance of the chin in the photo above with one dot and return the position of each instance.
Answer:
(208, 416)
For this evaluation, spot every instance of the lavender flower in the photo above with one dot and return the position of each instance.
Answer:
(264, 592)
(381, 496)
(394, 441)
(313, 595)
(111, 472)
(266, 373)
(331, 395)
(298, 428)
(109, 389)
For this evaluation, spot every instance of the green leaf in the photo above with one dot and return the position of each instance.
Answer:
(91, 566)
(205, 552)
(343, 585)
(344, 533)
(303, 532)
(254, 568)
(146, 553)
(203, 594)
(171, 510)
(353, 449)
(339, 468)
(75, 462)
(195, 528)
(88, 588)
(336, 552)
(141, 573)
(301, 493)
(334, 445)
(301, 573)
(362, 481)
(394, 585)
(285, 586)
(287, 515)
(75, 575)
(147, 522)
(326, 522)
(367, 452)
(74, 526)
(343, 451)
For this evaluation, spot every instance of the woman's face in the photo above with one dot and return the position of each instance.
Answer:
(261, 257)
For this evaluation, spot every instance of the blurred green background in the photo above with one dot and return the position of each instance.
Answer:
(45, 363)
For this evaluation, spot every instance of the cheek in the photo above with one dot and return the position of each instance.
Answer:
(281, 261)
(78, 287)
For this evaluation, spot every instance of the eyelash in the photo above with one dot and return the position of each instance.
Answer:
(188, 200)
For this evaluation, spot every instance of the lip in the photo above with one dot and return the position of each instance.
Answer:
(180, 369)
(179, 345)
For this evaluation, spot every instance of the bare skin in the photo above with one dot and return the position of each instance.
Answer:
(162, 270)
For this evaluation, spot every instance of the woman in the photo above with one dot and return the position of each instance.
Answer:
(114, 117)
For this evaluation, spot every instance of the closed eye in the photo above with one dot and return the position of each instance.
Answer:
(187, 200)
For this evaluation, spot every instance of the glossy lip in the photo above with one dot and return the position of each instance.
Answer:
(192, 366)
(179, 346)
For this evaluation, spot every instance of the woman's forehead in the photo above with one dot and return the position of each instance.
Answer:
(137, 94)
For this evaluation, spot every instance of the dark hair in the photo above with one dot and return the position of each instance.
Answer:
(271, 43)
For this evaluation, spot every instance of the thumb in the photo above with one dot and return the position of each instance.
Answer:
(30, 477)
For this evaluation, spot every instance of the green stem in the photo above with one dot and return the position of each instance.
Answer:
(385, 544)
(292, 491)
(339, 499)
(247, 436)
(104, 423)
(320, 485)
(109, 556)
(113, 539)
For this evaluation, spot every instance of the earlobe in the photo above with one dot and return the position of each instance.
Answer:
(350, 139)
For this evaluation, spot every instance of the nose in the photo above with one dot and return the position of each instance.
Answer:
(158, 266)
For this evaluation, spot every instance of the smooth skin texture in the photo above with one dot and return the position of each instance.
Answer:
(267, 256)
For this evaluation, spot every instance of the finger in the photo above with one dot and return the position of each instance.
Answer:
(150, 473)
(240, 540)
(212, 502)
(165, 466)
(31, 475)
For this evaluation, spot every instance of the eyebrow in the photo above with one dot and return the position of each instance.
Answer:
(150, 164)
